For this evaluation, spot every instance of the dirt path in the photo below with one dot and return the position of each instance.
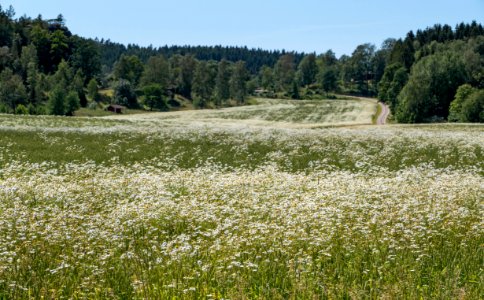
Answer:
(385, 111)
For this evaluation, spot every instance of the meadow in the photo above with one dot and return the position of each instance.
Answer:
(281, 200)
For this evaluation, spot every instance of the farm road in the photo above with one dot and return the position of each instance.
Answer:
(385, 111)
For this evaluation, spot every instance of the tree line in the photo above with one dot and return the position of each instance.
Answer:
(433, 74)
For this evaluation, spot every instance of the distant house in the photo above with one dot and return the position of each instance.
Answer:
(115, 108)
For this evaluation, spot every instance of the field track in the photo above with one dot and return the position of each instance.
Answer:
(385, 111)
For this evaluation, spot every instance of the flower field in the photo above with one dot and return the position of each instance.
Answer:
(233, 205)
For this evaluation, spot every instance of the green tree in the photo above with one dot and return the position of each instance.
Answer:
(41, 39)
(266, 75)
(468, 105)
(431, 87)
(93, 90)
(284, 72)
(12, 90)
(473, 107)
(72, 103)
(308, 69)
(188, 65)
(86, 57)
(238, 82)
(327, 59)
(21, 110)
(386, 81)
(124, 94)
(77, 85)
(203, 83)
(455, 110)
(154, 96)
(361, 67)
(222, 82)
(56, 103)
(28, 58)
(329, 81)
(129, 67)
(59, 47)
(6, 26)
(400, 78)
(63, 76)
(157, 70)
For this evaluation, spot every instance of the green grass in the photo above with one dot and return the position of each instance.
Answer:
(192, 205)
(304, 153)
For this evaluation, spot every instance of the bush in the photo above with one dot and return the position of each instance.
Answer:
(21, 110)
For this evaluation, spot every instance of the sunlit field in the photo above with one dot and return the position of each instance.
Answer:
(282, 200)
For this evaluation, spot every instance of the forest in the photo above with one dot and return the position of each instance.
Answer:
(431, 75)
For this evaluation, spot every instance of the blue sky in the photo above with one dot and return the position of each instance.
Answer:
(303, 25)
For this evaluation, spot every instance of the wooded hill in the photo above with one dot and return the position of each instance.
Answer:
(434, 74)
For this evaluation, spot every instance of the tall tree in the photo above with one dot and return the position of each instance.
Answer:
(284, 72)
(86, 57)
(329, 81)
(12, 90)
(72, 103)
(238, 81)
(308, 69)
(203, 83)
(128, 68)
(93, 90)
(266, 76)
(57, 104)
(188, 65)
(222, 82)
(361, 67)
(157, 70)
(431, 87)
(124, 94)
(154, 96)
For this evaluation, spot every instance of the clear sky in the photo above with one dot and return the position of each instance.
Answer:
(302, 25)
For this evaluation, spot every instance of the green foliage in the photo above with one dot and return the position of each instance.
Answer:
(431, 87)
(21, 110)
(57, 105)
(129, 68)
(400, 78)
(386, 81)
(124, 94)
(222, 83)
(359, 69)
(86, 57)
(455, 110)
(181, 75)
(284, 72)
(266, 75)
(72, 103)
(12, 90)
(204, 81)
(154, 97)
(473, 107)
(308, 69)
(238, 82)
(329, 81)
(93, 90)
(468, 105)
(157, 71)
(63, 76)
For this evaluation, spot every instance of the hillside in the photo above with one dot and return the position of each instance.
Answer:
(47, 69)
